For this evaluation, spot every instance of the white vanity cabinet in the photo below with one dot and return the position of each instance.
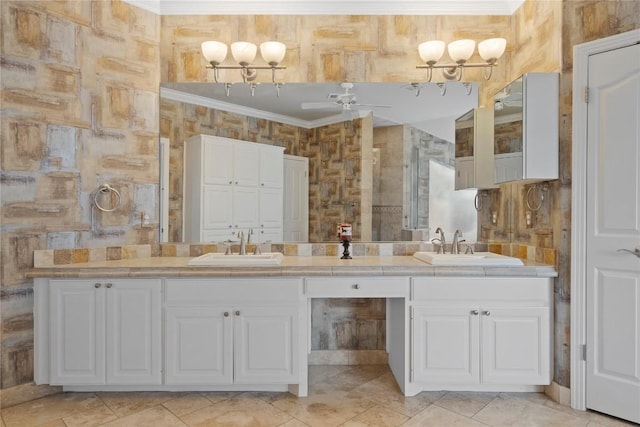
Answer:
(233, 331)
(481, 332)
(104, 332)
(232, 185)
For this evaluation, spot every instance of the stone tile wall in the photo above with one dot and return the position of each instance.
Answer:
(79, 84)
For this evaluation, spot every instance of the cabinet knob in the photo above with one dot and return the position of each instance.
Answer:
(355, 286)
(96, 285)
(486, 313)
(475, 312)
(237, 312)
(226, 314)
(262, 184)
(230, 182)
(109, 285)
(236, 182)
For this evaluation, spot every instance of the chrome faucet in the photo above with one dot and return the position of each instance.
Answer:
(454, 245)
(243, 244)
(441, 239)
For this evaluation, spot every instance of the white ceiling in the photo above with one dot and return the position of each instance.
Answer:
(329, 7)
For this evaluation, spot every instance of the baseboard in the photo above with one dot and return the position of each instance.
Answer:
(559, 394)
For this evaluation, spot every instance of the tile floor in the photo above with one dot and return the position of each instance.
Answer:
(350, 396)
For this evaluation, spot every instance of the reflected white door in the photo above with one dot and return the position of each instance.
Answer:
(613, 222)
(296, 199)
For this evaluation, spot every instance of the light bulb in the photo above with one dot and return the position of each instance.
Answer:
(431, 51)
(273, 52)
(214, 52)
(461, 50)
(243, 52)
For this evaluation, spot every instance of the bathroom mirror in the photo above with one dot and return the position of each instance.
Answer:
(427, 110)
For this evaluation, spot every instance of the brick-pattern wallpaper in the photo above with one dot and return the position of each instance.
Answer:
(79, 85)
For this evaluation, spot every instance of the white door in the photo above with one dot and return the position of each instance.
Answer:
(613, 223)
(77, 322)
(199, 345)
(165, 152)
(296, 199)
(445, 345)
(266, 345)
(134, 331)
(515, 345)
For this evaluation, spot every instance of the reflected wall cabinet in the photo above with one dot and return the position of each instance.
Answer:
(526, 129)
(232, 185)
(474, 150)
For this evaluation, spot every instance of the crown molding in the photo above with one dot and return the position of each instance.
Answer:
(188, 98)
(329, 7)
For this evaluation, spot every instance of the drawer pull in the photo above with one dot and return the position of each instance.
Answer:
(356, 286)
(226, 314)
(474, 312)
(109, 285)
(97, 285)
(486, 313)
(237, 312)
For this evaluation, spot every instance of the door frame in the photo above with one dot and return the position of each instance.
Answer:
(581, 55)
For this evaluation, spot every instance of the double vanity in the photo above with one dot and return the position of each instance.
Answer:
(164, 323)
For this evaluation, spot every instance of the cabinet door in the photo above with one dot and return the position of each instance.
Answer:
(271, 208)
(217, 207)
(199, 346)
(464, 173)
(217, 161)
(266, 345)
(134, 328)
(246, 208)
(271, 235)
(77, 325)
(515, 346)
(271, 167)
(246, 165)
(445, 345)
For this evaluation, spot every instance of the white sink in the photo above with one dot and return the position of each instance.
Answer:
(235, 260)
(478, 258)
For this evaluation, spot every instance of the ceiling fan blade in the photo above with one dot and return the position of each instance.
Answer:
(318, 105)
(371, 105)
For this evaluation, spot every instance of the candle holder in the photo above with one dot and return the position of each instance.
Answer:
(345, 252)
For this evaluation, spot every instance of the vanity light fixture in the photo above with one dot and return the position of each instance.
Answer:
(460, 51)
(244, 53)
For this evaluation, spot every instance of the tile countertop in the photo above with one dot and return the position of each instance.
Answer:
(291, 266)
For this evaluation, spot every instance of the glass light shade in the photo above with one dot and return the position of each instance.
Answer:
(431, 51)
(492, 49)
(461, 50)
(273, 52)
(214, 52)
(243, 52)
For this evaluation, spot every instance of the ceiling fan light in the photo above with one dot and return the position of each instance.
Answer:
(243, 52)
(430, 52)
(273, 52)
(461, 50)
(214, 52)
(492, 49)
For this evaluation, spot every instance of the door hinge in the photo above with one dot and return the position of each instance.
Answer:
(586, 94)
(583, 352)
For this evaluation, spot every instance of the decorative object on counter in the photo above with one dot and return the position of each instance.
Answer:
(244, 53)
(460, 51)
(344, 234)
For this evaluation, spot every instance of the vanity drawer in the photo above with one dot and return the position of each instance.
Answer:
(526, 291)
(357, 287)
(215, 291)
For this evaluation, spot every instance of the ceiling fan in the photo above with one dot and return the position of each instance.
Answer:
(345, 100)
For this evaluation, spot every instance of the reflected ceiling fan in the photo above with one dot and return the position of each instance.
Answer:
(345, 101)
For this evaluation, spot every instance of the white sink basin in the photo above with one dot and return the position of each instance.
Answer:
(235, 260)
(478, 258)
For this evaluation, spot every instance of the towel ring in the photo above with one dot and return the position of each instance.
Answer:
(540, 197)
(106, 188)
(478, 200)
